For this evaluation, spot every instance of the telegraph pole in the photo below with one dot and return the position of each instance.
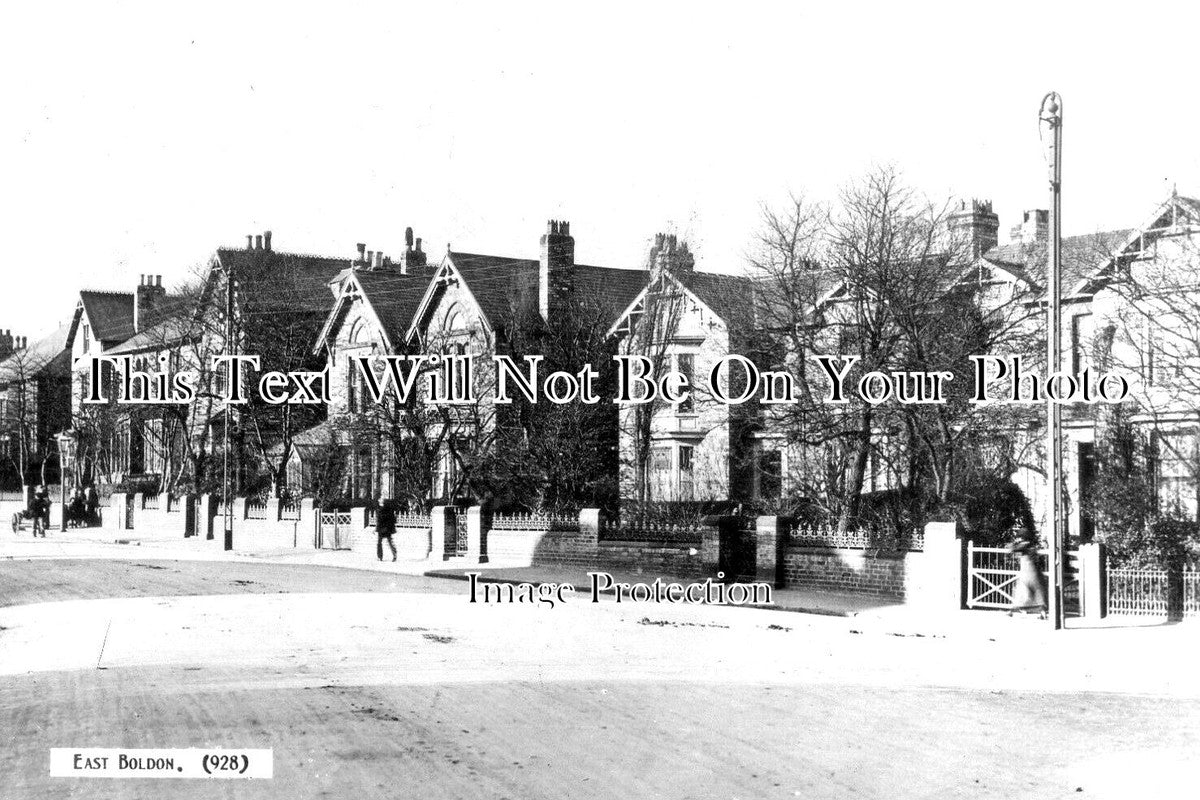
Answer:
(225, 483)
(1051, 116)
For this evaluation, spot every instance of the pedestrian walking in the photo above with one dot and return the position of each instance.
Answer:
(78, 509)
(1029, 590)
(91, 504)
(40, 510)
(385, 526)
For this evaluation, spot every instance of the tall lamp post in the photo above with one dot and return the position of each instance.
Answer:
(1050, 116)
(66, 459)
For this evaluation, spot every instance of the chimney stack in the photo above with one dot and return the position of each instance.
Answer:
(556, 269)
(267, 241)
(249, 241)
(1034, 228)
(976, 224)
(362, 255)
(670, 255)
(413, 257)
(149, 296)
(258, 242)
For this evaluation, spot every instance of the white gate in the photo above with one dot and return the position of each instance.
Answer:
(333, 531)
(992, 576)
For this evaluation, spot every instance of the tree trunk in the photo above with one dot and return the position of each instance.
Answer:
(858, 472)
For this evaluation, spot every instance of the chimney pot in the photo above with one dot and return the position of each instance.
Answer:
(258, 242)
(267, 240)
(408, 238)
(249, 241)
(362, 251)
(418, 244)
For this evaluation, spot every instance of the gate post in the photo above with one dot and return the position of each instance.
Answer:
(942, 584)
(1093, 580)
(478, 524)
(119, 507)
(768, 551)
(441, 526)
(309, 519)
(206, 510)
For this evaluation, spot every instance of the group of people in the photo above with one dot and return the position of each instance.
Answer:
(82, 510)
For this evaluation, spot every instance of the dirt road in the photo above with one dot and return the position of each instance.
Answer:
(420, 694)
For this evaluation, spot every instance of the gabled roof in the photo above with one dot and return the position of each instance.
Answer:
(110, 314)
(498, 283)
(1089, 258)
(283, 281)
(1081, 255)
(1176, 214)
(730, 297)
(47, 356)
(392, 296)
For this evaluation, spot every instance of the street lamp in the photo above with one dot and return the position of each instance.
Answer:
(1050, 116)
(66, 458)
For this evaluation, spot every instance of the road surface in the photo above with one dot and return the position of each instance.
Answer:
(379, 685)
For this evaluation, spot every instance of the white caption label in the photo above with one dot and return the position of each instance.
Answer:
(115, 762)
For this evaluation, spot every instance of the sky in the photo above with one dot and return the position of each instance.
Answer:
(139, 137)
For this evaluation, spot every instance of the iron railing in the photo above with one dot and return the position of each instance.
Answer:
(535, 522)
(878, 539)
(1142, 591)
(665, 532)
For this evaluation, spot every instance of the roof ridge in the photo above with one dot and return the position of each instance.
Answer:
(105, 291)
(347, 259)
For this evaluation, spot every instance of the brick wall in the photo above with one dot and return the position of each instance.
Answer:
(860, 571)
(580, 550)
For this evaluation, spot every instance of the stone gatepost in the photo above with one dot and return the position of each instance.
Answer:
(941, 583)
(138, 516)
(771, 535)
(308, 520)
(441, 527)
(118, 507)
(207, 509)
(589, 530)
(1093, 580)
(479, 522)
(239, 509)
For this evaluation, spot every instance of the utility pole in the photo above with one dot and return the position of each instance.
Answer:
(229, 347)
(1051, 116)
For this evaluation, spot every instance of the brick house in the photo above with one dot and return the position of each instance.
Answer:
(700, 449)
(374, 303)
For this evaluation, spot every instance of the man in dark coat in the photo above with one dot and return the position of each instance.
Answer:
(385, 526)
(40, 509)
(91, 501)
